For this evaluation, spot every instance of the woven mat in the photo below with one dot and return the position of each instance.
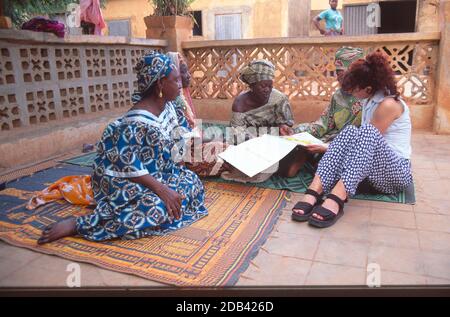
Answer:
(211, 252)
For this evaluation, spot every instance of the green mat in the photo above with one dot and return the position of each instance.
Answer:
(300, 183)
(296, 184)
(86, 160)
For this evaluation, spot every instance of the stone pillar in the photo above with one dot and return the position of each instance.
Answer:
(299, 17)
(5, 22)
(428, 16)
(442, 109)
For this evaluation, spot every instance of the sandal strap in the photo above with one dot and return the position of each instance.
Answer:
(338, 200)
(313, 193)
(302, 205)
(325, 213)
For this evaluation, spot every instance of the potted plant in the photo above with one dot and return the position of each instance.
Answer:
(171, 20)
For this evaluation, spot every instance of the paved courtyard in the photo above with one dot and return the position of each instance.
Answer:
(410, 243)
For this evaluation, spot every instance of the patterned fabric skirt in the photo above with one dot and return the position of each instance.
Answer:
(129, 210)
(358, 154)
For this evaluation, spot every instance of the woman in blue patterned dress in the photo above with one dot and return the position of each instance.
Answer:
(140, 188)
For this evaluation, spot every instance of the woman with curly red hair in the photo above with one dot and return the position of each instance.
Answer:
(378, 152)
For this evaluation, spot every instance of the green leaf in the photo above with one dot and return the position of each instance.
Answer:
(171, 7)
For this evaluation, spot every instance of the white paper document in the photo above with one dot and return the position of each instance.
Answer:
(256, 155)
(304, 139)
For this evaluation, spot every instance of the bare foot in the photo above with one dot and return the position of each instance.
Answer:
(64, 228)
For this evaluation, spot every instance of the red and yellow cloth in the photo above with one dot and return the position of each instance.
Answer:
(76, 190)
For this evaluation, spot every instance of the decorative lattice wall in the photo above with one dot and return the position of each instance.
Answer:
(44, 82)
(305, 70)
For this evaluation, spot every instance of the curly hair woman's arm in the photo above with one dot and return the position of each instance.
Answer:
(388, 111)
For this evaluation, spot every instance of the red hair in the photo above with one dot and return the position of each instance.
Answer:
(373, 71)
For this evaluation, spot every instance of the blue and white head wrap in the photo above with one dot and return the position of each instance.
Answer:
(151, 67)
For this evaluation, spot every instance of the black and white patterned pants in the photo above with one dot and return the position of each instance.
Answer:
(362, 153)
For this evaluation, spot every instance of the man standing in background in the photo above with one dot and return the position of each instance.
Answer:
(333, 20)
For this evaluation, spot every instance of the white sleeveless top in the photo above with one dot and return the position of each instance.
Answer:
(398, 134)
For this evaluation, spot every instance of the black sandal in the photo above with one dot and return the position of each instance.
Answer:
(329, 217)
(306, 207)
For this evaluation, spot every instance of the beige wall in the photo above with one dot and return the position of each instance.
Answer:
(260, 18)
(268, 18)
(299, 15)
(135, 10)
(442, 111)
(323, 4)
(211, 8)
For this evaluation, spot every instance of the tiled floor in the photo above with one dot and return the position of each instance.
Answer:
(410, 244)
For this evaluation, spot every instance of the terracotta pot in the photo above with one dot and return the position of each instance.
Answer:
(5, 23)
(174, 29)
(168, 22)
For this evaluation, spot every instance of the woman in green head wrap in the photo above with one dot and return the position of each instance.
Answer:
(262, 105)
(343, 109)
(258, 109)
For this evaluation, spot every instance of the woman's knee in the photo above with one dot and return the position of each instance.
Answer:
(349, 130)
(347, 134)
(369, 130)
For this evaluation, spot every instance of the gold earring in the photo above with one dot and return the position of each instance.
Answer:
(160, 94)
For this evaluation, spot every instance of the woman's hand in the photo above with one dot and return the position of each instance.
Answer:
(172, 200)
(286, 130)
(316, 148)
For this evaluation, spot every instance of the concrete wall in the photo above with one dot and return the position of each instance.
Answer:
(299, 17)
(56, 94)
(324, 4)
(135, 10)
(311, 86)
(442, 113)
(34, 145)
(428, 16)
(260, 18)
